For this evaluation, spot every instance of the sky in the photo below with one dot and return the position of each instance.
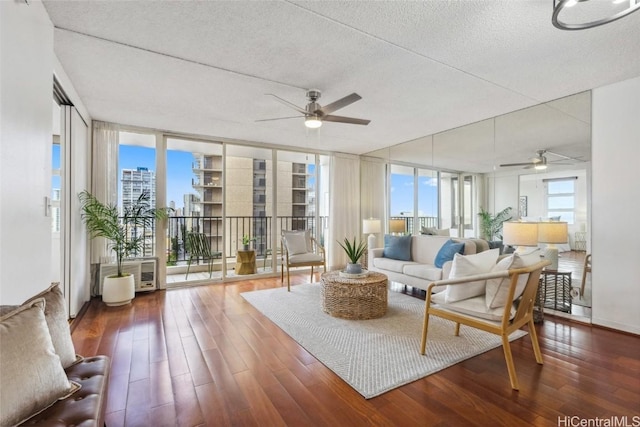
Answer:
(180, 173)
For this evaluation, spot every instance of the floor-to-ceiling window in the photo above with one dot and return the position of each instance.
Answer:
(402, 198)
(427, 199)
(137, 176)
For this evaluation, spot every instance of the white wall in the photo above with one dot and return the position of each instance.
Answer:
(26, 68)
(616, 205)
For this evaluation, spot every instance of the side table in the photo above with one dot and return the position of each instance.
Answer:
(354, 299)
(555, 290)
(246, 262)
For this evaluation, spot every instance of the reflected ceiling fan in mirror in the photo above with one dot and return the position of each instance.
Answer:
(314, 114)
(540, 162)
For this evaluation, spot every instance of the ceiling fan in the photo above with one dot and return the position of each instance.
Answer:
(540, 162)
(314, 114)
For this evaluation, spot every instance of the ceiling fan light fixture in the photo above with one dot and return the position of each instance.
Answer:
(590, 14)
(540, 166)
(312, 122)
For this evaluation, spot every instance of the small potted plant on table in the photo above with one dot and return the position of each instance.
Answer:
(245, 242)
(354, 251)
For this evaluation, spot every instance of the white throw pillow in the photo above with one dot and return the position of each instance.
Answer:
(296, 243)
(469, 265)
(498, 289)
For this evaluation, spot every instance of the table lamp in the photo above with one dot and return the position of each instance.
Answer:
(552, 232)
(371, 226)
(397, 226)
(520, 234)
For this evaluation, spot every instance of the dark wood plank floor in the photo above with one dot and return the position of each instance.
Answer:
(203, 356)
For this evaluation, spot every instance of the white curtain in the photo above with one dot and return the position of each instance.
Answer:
(104, 177)
(373, 191)
(344, 206)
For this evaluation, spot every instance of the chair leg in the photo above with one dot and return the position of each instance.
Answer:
(534, 342)
(312, 274)
(282, 272)
(425, 328)
(188, 267)
(210, 267)
(510, 366)
(457, 333)
(288, 280)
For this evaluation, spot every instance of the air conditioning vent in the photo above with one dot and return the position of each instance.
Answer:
(144, 273)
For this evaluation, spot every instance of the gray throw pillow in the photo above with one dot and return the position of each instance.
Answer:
(31, 376)
(58, 322)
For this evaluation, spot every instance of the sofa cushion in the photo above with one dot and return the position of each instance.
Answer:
(473, 307)
(58, 322)
(469, 265)
(447, 251)
(497, 290)
(423, 271)
(397, 247)
(31, 375)
(390, 264)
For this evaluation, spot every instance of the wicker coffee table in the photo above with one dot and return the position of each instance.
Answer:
(355, 299)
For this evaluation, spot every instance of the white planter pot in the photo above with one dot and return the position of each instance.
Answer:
(118, 290)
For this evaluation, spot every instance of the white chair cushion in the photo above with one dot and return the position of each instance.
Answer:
(306, 257)
(498, 289)
(474, 307)
(469, 265)
(296, 243)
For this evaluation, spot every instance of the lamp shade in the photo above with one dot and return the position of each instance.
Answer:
(520, 233)
(370, 226)
(552, 232)
(397, 226)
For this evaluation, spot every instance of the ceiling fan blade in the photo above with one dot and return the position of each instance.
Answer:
(279, 118)
(341, 119)
(576, 159)
(340, 103)
(517, 164)
(288, 104)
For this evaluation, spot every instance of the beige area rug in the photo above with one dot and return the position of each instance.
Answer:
(372, 356)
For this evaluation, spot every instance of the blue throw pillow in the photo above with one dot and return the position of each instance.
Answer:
(447, 252)
(397, 247)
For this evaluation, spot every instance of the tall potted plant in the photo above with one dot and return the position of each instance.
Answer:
(354, 251)
(121, 230)
(491, 226)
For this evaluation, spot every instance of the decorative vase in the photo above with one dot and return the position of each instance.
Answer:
(118, 290)
(354, 268)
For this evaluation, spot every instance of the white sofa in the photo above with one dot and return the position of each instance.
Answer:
(420, 271)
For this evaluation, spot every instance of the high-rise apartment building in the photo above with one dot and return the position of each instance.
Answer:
(133, 183)
(136, 181)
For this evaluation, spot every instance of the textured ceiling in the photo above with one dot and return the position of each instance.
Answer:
(204, 67)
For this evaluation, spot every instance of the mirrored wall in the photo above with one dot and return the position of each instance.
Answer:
(491, 164)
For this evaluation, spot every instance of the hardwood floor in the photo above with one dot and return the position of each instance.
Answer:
(203, 356)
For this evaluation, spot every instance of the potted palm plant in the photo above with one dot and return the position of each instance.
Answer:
(354, 251)
(491, 226)
(122, 232)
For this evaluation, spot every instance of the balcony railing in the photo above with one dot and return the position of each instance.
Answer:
(227, 237)
(423, 221)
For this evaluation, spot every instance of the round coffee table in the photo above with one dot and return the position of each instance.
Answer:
(354, 299)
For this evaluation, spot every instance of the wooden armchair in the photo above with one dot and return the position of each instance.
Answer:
(199, 247)
(299, 249)
(501, 321)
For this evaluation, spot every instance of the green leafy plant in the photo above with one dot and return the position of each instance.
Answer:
(353, 249)
(103, 220)
(491, 225)
(246, 239)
